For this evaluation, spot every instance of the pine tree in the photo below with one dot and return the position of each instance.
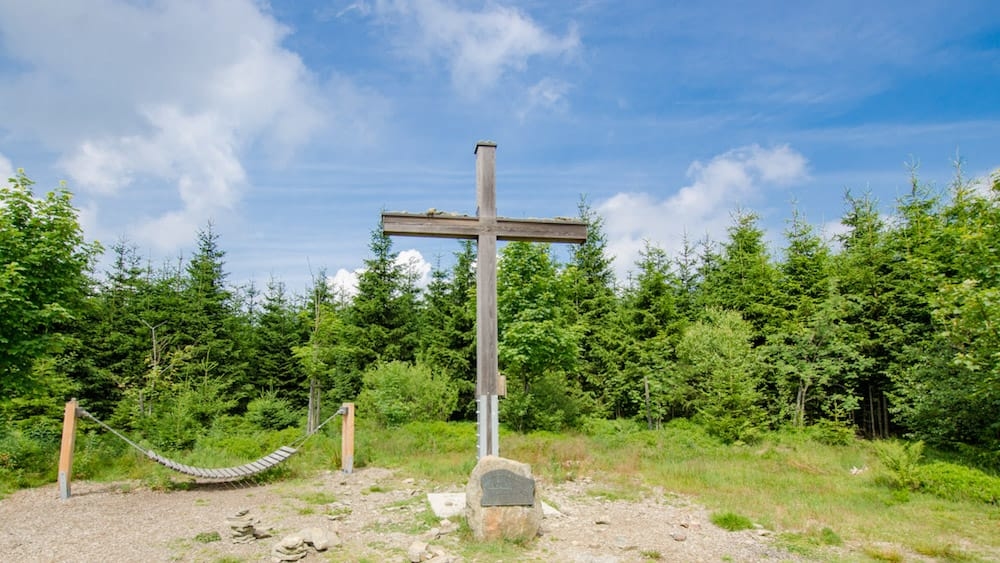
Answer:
(590, 282)
(212, 321)
(743, 279)
(448, 327)
(279, 331)
(648, 324)
(380, 323)
(863, 269)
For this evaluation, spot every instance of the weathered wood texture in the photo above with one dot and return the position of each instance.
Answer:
(66, 449)
(347, 438)
(467, 227)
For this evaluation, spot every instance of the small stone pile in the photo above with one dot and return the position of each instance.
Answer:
(243, 527)
(296, 546)
(290, 548)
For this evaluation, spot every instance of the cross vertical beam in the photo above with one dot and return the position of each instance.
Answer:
(486, 301)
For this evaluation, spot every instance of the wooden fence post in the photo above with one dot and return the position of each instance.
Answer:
(347, 439)
(66, 449)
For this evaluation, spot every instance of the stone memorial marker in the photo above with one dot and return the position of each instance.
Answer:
(501, 500)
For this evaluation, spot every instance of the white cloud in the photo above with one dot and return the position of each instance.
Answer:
(6, 170)
(172, 92)
(700, 208)
(831, 231)
(413, 261)
(345, 282)
(548, 94)
(479, 47)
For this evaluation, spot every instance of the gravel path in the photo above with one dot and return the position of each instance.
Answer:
(377, 515)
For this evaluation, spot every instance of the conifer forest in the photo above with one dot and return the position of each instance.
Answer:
(890, 328)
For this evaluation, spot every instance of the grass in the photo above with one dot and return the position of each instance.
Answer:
(802, 490)
(207, 537)
(731, 521)
(318, 498)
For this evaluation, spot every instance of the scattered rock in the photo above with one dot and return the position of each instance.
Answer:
(677, 536)
(418, 552)
(290, 548)
(439, 555)
(320, 539)
(447, 526)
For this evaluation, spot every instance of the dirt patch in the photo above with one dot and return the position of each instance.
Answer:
(377, 514)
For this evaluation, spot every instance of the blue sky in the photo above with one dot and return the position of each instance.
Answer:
(292, 124)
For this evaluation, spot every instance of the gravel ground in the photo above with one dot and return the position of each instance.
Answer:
(377, 514)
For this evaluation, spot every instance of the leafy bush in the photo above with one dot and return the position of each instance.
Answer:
(595, 426)
(550, 404)
(395, 393)
(900, 460)
(270, 412)
(25, 459)
(831, 432)
(100, 454)
(957, 482)
(731, 521)
(688, 434)
(716, 355)
(186, 414)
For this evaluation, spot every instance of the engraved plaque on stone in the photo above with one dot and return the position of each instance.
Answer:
(506, 488)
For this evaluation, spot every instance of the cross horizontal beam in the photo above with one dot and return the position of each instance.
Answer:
(467, 227)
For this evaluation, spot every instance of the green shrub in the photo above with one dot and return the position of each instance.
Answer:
(395, 393)
(900, 461)
(270, 412)
(614, 428)
(731, 521)
(551, 403)
(185, 414)
(26, 459)
(690, 435)
(828, 537)
(831, 433)
(957, 482)
(101, 455)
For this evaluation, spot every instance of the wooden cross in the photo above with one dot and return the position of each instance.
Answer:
(487, 229)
